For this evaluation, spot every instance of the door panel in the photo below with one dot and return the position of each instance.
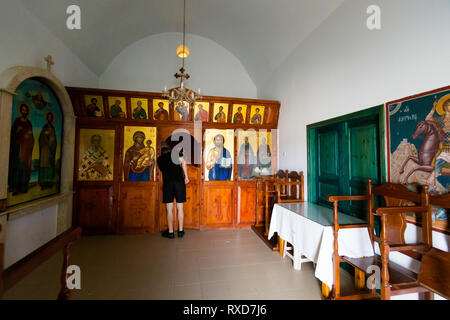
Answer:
(346, 153)
(328, 168)
(363, 152)
(246, 204)
(218, 204)
(138, 207)
(95, 209)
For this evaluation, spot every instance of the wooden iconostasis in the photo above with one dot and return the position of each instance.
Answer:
(118, 187)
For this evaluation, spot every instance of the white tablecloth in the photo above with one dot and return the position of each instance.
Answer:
(315, 240)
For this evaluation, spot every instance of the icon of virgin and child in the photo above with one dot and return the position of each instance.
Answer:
(139, 162)
(219, 161)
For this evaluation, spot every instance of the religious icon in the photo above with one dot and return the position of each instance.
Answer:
(257, 114)
(264, 154)
(247, 140)
(239, 113)
(182, 111)
(139, 108)
(418, 139)
(161, 109)
(201, 111)
(220, 112)
(96, 150)
(94, 106)
(219, 160)
(117, 107)
(140, 154)
(35, 147)
(22, 143)
(47, 152)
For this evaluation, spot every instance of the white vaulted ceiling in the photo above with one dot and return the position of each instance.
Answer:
(260, 33)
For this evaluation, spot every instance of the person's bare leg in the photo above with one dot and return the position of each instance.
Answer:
(180, 213)
(169, 207)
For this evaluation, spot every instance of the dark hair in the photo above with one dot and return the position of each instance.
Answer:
(165, 148)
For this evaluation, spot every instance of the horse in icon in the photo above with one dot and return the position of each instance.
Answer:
(433, 136)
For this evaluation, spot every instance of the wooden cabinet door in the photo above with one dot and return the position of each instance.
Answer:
(95, 209)
(246, 204)
(138, 207)
(218, 206)
(192, 205)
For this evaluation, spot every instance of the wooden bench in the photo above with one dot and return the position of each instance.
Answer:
(16, 272)
(395, 280)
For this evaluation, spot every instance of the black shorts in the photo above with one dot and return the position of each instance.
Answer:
(174, 189)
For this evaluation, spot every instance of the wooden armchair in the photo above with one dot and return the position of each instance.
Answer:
(291, 189)
(395, 280)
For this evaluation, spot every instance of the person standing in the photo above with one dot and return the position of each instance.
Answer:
(175, 179)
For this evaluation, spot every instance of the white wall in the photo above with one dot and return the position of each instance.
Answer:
(343, 67)
(150, 63)
(25, 41)
(21, 239)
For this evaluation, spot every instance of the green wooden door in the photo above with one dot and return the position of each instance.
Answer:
(328, 168)
(343, 154)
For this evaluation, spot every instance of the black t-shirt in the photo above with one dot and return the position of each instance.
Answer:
(170, 170)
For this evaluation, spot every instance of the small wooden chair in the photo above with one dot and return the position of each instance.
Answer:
(292, 188)
(396, 280)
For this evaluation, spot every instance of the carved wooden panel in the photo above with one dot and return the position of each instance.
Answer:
(218, 204)
(138, 207)
(95, 209)
(246, 204)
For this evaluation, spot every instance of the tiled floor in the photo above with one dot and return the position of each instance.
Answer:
(225, 264)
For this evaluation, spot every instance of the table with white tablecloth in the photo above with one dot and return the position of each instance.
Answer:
(308, 227)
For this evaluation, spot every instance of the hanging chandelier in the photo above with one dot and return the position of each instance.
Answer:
(181, 94)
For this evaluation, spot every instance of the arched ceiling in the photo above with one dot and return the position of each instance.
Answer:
(260, 33)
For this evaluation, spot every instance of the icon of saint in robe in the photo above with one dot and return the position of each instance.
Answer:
(116, 110)
(221, 116)
(219, 161)
(256, 119)
(202, 114)
(47, 152)
(246, 160)
(139, 112)
(183, 111)
(21, 150)
(161, 114)
(264, 158)
(238, 116)
(93, 110)
(95, 162)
